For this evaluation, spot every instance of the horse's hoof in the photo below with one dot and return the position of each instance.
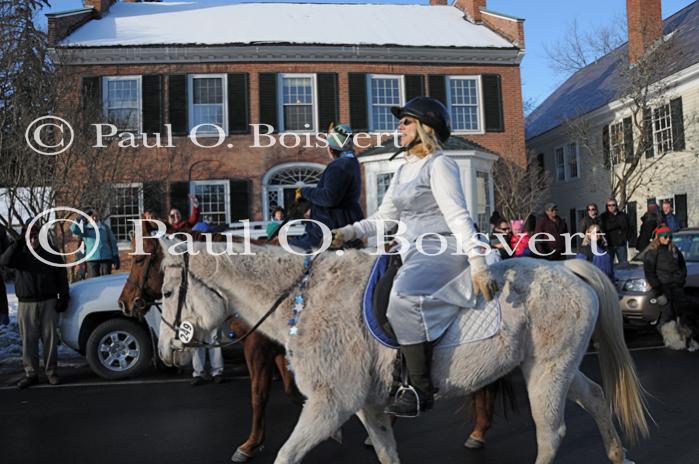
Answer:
(242, 456)
(474, 443)
(368, 443)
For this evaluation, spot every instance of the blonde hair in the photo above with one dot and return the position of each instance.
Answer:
(588, 232)
(428, 137)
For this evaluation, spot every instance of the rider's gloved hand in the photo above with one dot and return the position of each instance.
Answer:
(482, 277)
(342, 235)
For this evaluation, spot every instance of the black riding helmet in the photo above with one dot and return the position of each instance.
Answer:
(428, 111)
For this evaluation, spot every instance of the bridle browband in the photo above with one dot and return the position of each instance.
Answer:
(181, 302)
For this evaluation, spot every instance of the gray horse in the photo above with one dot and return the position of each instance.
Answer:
(549, 313)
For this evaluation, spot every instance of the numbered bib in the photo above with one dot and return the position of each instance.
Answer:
(185, 332)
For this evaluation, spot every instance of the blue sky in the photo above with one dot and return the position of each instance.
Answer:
(546, 22)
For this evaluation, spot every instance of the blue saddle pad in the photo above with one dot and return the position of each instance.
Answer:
(372, 324)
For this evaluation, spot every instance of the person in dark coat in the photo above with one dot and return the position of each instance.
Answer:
(42, 291)
(335, 200)
(616, 227)
(649, 222)
(501, 235)
(551, 223)
(4, 307)
(669, 218)
(594, 250)
(591, 218)
(666, 272)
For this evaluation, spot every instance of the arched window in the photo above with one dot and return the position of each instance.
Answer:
(281, 182)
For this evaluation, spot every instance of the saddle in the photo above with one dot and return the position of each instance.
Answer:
(376, 296)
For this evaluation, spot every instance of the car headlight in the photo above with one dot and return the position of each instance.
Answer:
(636, 285)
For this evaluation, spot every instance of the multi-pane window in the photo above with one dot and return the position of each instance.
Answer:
(384, 92)
(464, 103)
(298, 101)
(662, 129)
(383, 181)
(122, 102)
(126, 204)
(483, 201)
(616, 142)
(560, 164)
(207, 102)
(572, 160)
(213, 200)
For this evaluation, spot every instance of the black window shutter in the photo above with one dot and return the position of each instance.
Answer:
(605, 146)
(153, 194)
(178, 103)
(268, 100)
(238, 107)
(631, 212)
(327, 100)
(179, 197)
(677, 124)
(573, 216)
(437, 87)
(648, 132)
(414, 86)
(152, 103)
(628, 139)
(359, 116)
(681, 209)
(91, 97)
(240, 199)
(492, 102)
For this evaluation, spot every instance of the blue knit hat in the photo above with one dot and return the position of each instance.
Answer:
(340, 137)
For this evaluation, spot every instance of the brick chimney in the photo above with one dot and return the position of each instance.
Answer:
(645, 25)
(100, 6)
(472, 8)
(439, 2)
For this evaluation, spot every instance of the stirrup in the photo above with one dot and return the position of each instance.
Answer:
(407, 389)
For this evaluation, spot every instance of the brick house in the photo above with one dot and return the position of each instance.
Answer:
(669, 126)
(296, 67)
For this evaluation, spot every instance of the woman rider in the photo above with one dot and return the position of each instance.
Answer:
(425, 195)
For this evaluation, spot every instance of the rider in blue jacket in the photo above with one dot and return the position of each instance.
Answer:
(335, 200)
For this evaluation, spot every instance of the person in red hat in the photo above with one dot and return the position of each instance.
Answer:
(666, 272)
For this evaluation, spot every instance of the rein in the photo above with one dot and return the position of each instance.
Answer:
(184, 330)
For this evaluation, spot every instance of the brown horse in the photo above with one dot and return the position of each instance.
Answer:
(262, 355)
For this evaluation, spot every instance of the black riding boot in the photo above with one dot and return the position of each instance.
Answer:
(420, 396)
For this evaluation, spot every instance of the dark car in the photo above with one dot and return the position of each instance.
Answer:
(634, 290)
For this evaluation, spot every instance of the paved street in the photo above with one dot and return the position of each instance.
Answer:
(162, 419)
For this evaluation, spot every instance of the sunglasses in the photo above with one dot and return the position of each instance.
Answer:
(592, 209)
(405, 122)
(611, 204)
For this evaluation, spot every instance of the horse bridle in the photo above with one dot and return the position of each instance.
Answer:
(177, 325)
(141, 284)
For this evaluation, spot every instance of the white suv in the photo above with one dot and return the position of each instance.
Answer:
(116, 347)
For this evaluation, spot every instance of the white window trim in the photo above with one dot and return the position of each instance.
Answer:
(227, 194)
(105, 95)
(376, 185)
(126, 244)
(479, 95)
(622, 154)
(654, 132)
(370, 104)
(280, 101)
(190, 103)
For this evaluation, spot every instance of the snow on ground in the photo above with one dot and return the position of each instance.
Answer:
(11, 342)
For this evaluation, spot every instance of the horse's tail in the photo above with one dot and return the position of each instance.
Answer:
(621, 384)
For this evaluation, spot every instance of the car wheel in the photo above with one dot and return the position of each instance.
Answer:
(118, 349)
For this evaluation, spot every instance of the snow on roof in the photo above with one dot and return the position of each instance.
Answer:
(134, 24)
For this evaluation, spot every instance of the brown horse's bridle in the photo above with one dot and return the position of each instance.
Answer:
(141, 284)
